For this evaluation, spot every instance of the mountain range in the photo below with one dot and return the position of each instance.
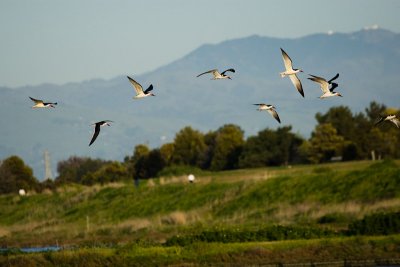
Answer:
(367, 61)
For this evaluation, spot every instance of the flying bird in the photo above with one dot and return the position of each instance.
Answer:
(40, 104)
(271, 110)
(391, 118)
(97, 126)
(291, 72)
(327, 87)
(217, 75)
(139, 89)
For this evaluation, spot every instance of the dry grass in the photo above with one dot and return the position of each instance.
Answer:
(134, 224)
(4, 231)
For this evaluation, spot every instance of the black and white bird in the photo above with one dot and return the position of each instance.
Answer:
(391, 118)
(40, 104)
(271, 110)
(140, 93)
(327, 87)
(217, 75)
(97, 126)
(292, 73)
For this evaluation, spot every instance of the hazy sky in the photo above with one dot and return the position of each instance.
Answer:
(69, 41)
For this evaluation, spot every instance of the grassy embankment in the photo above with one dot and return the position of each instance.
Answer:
(325, 197)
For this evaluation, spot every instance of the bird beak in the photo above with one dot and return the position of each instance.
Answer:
(340, 95)
(153, 94)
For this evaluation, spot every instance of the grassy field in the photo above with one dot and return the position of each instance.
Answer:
(317, 199)
(355, 251)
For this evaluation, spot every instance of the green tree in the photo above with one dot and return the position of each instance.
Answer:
(15, 175)
(341, 118)
(136, 164)
(167, 151)
(190, 147)
(374, 111)
(325, 143)
(111, 172)
(75, 168)
(271, 147)
(353, 128)
(228, 145)
(154, 163)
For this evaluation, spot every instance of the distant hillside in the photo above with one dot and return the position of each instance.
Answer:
(367, 61)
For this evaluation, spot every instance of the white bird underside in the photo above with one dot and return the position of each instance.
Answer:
(217, 75)
(140, 93)
(271, 110)
(289, 71)
(325, 86)
(40, 104)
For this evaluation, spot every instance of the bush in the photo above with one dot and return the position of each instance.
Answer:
(270, 233)
(376, 224)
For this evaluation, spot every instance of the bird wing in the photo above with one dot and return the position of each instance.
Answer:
(274, 114)
(210, 71)
(397, 122)
(322, 82)
(102, 122)
(50, 103)
(96, 132)
(260, 104)
(231, 70)
(136, 85)
(381, 119)
(296, 81)
(149, 89)
(333, 86)
(286, 60)
(334, 78)
(37, 101)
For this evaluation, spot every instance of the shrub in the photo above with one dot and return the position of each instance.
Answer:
(269, 233)
(376, 224)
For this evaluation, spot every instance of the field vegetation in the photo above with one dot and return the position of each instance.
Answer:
(311, 212)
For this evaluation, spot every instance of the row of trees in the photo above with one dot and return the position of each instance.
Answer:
(339, 133)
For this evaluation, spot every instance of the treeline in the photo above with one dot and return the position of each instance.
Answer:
(339, 134)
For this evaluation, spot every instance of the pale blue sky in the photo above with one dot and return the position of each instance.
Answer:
(70, 41)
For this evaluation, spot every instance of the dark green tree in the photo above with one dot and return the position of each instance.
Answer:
(111, 172)
(15, 175)
(271, 147)
(75, 168)
(227, 148)
(324, 144)
(374, 111)
(136, 163)
(189, 148)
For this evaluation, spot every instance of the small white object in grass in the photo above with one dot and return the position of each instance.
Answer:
(191, 178)
(22, 192)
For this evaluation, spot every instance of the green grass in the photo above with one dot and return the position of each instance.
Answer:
(362, 250)
(328, 196)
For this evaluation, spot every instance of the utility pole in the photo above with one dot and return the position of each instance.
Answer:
(47, 167)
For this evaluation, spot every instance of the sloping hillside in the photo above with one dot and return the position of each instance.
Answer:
(327, 196)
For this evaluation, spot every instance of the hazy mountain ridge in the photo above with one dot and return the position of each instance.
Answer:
(367, 61)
